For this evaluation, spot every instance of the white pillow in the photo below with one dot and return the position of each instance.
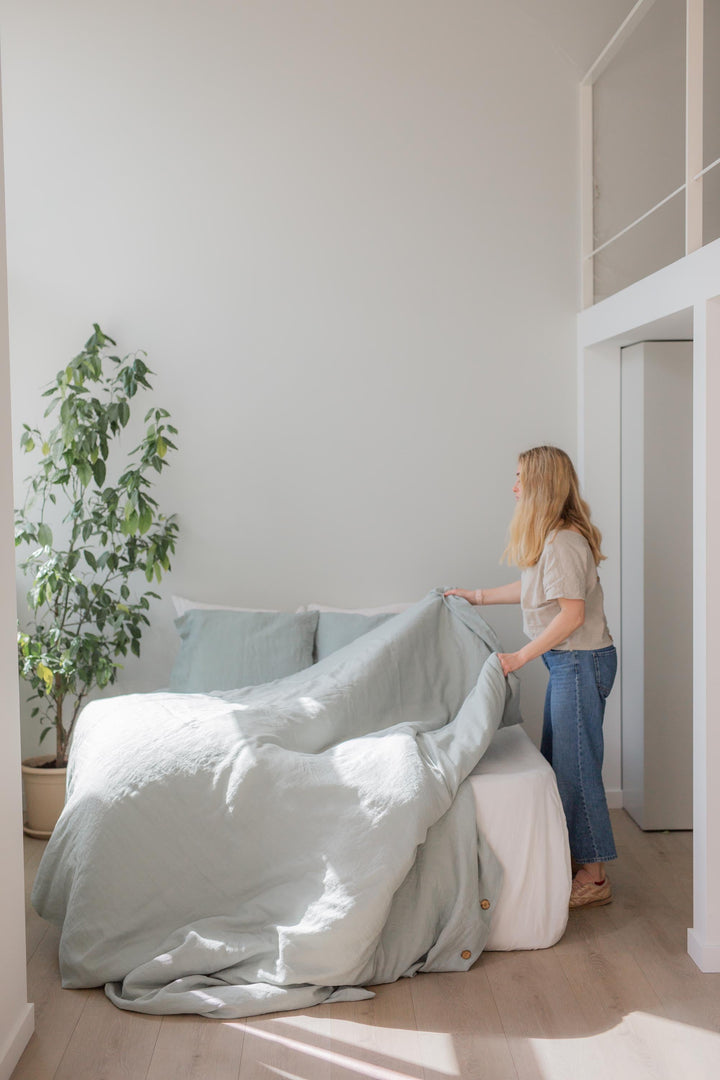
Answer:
(182, 604)
(389, 609)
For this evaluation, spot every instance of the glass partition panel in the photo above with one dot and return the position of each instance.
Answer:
(639, 150)
(711, 120)
(655, 242)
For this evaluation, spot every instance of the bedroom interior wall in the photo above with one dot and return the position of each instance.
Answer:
(16, 1014)
(346, 234)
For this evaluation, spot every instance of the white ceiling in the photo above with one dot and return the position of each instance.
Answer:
(579, 28)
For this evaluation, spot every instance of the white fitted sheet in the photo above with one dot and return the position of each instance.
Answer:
(521, 816)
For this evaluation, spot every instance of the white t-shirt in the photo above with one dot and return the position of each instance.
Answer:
(565, 570)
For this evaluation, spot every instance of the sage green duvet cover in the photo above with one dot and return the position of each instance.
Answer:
(281, 845)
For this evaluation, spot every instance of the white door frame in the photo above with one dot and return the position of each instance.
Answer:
(680, 301)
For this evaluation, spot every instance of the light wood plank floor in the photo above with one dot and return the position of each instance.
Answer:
(617, 998)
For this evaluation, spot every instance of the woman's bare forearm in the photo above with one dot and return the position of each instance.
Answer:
(502, 594)
(570, 618)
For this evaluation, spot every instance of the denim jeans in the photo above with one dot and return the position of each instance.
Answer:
(572, 741)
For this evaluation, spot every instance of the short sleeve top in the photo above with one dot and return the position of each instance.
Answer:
(565, 570)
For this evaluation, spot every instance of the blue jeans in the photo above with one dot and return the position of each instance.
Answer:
(572, 741)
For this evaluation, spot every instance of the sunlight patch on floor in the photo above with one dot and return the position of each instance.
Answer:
(641, 1047)
(378, 1053)
(284, 1074)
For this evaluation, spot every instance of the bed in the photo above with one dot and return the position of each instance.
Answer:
(519, 812)
(353, 803)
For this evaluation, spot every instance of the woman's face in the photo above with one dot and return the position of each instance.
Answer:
(517, 486)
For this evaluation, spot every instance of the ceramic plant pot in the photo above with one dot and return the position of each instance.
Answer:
(44, 796)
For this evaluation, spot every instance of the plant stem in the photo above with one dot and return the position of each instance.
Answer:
(76, 710)
(60, 741)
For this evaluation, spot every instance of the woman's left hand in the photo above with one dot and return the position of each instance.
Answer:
(510, 661)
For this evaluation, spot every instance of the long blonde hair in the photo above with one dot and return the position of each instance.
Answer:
(550, 499)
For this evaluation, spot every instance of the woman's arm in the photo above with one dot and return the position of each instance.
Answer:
(503, 594)
(570, 617)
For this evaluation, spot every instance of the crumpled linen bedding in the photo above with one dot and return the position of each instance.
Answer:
(278, 846)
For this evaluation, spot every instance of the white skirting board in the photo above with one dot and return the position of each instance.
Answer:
(707, 957)
(614, 798)
(19, 1037)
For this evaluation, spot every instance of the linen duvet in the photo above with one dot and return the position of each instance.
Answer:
(281, 845)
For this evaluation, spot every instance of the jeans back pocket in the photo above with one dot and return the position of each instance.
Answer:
(605, 664)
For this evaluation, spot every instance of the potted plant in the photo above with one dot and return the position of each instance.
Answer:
(93, 529)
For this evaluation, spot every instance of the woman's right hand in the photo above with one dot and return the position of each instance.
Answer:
(473, 596)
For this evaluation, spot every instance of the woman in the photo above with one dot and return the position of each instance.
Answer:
(558, 548)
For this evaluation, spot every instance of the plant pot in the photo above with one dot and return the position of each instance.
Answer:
(44, 796)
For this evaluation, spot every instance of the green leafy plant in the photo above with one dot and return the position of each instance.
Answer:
(85, 611)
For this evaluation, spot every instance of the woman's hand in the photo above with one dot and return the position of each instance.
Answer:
(511, 661)
(471, 595)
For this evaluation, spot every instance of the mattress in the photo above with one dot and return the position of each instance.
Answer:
(521, 816)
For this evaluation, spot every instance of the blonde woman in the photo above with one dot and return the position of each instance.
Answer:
(557, 547)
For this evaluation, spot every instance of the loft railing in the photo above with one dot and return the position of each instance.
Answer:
(694, 171)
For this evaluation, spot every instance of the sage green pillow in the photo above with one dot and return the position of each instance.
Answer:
(338, 628)
(224, 650)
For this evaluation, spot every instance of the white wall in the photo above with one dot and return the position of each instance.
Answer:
(599, 460)
(16, 1015)
(346, 234)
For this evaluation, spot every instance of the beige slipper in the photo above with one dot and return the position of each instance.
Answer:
(590, 893)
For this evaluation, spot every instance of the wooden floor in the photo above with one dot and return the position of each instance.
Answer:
(617, 998)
